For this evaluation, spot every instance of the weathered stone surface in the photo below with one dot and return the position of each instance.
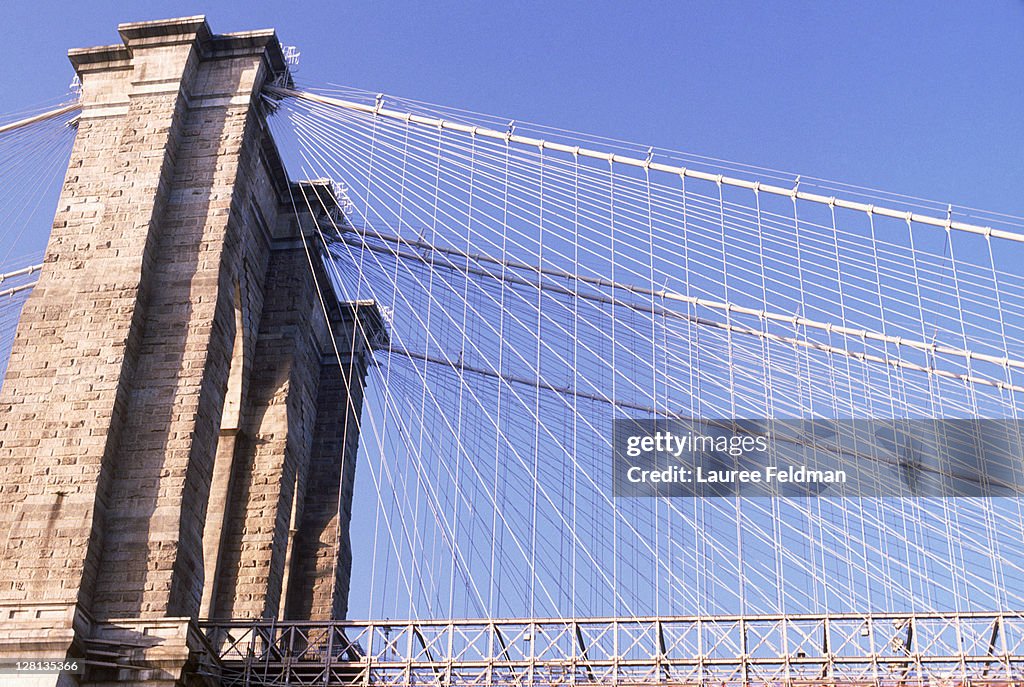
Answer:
(169, 422)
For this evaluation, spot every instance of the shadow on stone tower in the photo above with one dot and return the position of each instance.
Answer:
(179, 419)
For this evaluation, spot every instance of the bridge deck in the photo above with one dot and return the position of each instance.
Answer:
(837, 649)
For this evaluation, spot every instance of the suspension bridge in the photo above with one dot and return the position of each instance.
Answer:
(533, 285)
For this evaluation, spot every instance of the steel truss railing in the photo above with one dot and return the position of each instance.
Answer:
(838, 649)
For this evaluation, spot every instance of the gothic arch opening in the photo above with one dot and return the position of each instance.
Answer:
(220, 482)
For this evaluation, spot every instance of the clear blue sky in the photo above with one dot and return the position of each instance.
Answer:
(923, 98)
(918, 97)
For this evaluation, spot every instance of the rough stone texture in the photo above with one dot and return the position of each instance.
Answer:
(273, 443)
(131, 502)
(322, 561)
(63, 400)
(157, 503)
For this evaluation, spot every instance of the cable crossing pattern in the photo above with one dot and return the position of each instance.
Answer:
(539, 284)
(537, 288)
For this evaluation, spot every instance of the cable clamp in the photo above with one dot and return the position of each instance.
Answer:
(378, 104)
(509, 131)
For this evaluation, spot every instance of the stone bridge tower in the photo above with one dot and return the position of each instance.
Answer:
(179, 418)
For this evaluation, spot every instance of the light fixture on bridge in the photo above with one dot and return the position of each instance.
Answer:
(291, 57)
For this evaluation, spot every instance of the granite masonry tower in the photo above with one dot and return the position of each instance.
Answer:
(178, 419)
